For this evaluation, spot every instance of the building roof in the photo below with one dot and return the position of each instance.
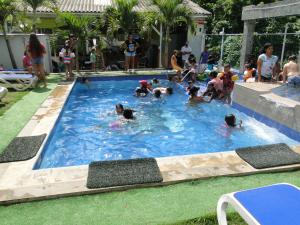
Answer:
(98, 6)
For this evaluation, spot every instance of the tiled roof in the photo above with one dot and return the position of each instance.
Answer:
(98, 6)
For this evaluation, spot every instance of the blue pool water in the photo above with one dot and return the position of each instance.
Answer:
(166, 127)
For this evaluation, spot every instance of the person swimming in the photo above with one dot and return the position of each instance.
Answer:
(128, 114)
(157, 93)
(163, 90)
(231, 121)
(193, 93)
(119, 109)
(155, 83)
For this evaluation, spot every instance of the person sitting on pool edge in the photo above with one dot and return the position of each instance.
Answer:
(231, 121)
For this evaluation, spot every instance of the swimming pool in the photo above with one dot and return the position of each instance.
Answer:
(163, 127)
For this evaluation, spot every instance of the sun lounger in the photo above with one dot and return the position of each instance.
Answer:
(19, 82)
(278, 204)
(13, 71)
(3, 92)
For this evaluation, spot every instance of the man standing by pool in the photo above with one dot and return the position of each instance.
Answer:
(186, 51)
(203, 59)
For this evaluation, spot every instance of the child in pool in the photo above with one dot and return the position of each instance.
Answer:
(190, 85)
(194, 96)
(155, 83)
(163, 90)
(119, 109)
(231, 121)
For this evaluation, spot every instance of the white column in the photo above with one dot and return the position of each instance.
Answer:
(249, 27)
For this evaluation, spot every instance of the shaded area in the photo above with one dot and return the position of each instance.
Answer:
(172, 204)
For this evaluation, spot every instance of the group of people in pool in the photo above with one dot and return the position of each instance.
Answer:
(153, 88)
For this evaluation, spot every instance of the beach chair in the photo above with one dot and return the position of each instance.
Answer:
(19, 82)
(3, 92)
(277, 204)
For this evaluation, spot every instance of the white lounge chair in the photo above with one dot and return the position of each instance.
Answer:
(19, 82)
(277, 204)
(3, 92)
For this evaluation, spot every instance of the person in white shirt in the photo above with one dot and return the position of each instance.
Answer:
(186, 51)
(267, 64)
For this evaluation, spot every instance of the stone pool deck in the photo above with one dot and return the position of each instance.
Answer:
(19, 183)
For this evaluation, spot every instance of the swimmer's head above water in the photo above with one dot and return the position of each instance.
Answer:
(119, 108)
(128, 114)
(231, 121)
(169, 90)
(157, 93)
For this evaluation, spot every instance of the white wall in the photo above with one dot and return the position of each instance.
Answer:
(197, 41)
(18, 44)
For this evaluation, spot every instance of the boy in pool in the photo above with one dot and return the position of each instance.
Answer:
(154, 83)
(231, 121)
(157, 93)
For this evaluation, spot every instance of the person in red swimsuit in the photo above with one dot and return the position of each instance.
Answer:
(228, 84)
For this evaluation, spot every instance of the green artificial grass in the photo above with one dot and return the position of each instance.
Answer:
(20, 110)
(173, 205)
(11, 98)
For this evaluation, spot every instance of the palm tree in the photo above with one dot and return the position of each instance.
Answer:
(7, 8)
(34, 4)
(170, 14)
(79, 26)
(120, 17)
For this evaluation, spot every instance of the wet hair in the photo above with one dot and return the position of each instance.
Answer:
(155, 81)
(230, 120)
(213, 74)
(266, 46)
(193, 91)
(157, 93)
(138, 90)
(293, 58)
(170, 90)
(119, 106)
(35, 45)
(128, 114)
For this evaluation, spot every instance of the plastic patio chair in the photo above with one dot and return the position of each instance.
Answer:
(277, 204)
(19, 82)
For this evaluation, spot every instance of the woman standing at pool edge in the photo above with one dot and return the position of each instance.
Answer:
(266, 64)
(37, 51)
(130, 47)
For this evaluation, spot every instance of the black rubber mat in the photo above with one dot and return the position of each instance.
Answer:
(267, 156)
(123, 172)
(22, 148)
